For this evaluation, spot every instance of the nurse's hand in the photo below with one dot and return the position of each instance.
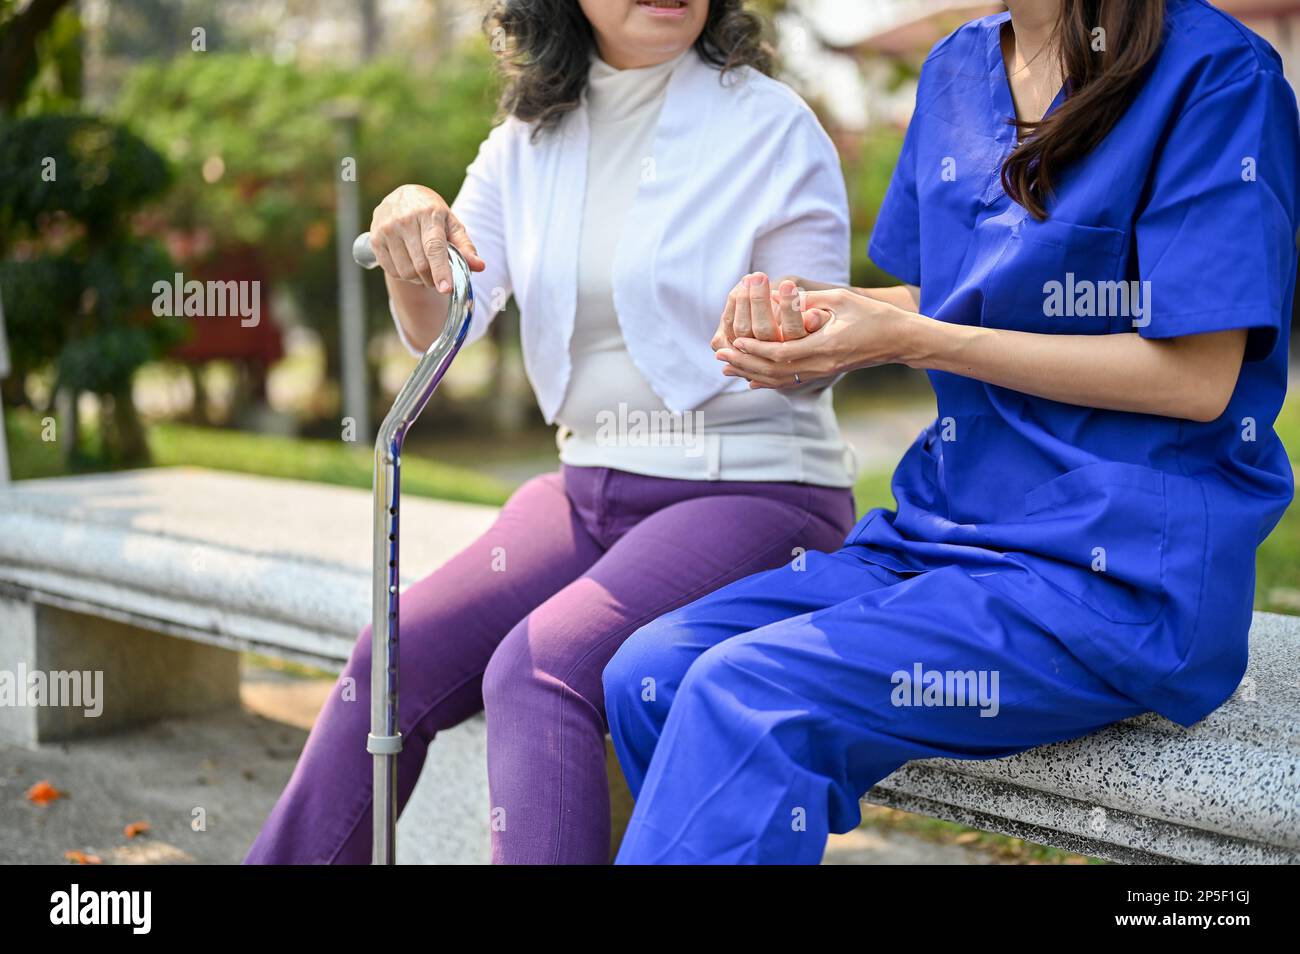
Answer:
(754, 310)
(844, 332)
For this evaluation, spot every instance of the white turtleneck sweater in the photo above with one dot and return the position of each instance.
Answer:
(610, 416)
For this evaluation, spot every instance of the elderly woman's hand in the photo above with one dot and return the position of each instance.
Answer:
(754, 310)
(840, 331)
(410, 231)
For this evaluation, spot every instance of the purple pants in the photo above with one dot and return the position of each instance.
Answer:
(521, 625)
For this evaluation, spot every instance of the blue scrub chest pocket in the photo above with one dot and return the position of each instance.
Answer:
(1058, 277)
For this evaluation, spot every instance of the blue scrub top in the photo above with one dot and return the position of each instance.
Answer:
(1132, 537)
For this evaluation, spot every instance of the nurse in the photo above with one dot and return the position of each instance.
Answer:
(1095, 216)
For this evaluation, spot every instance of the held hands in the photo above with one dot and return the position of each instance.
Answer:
(755, 310)
(410, 231)
(837, 331)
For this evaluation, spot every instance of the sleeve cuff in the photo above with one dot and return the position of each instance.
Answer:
(905, 269)
(1260, 342)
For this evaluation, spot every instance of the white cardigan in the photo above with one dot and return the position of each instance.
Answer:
(735, 157)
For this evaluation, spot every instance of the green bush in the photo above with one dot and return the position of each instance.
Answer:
(77, 284)
(86, 168)
(868, 177)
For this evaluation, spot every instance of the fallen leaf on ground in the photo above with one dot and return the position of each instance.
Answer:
(81, 858)
(42, 793)
(136, 828)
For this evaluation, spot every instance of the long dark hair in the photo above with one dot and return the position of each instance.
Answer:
(544, 50)
(1100, 84)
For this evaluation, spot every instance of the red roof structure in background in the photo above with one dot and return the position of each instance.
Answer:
(226, 337)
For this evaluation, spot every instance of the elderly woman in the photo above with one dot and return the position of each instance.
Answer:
(646, 161)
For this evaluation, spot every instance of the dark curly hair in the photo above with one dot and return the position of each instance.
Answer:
(544, 51)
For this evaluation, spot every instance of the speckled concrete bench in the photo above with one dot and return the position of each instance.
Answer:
(1147, 790)
(94, 569)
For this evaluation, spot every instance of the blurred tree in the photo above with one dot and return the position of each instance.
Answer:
(257, 161)
(867, 174)
(372, 28)
(40, 51)
(254, 146)
(77, 283)
(162, 28)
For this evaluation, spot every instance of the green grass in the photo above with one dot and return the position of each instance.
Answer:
(872, 490)
(1005, 849)
(1277, 569)
(331, 462)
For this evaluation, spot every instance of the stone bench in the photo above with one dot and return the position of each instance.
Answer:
(93, 570)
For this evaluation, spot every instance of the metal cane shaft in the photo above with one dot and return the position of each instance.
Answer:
(385, 739)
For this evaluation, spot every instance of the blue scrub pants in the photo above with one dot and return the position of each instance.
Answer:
(750, 722)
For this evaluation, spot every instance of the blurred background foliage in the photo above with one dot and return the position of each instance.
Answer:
(75, 275)
(242, 102)
(255, 146)
(208, 137)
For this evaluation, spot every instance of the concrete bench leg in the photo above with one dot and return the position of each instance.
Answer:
(105, 675)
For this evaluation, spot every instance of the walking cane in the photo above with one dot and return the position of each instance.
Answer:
(385, 739)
